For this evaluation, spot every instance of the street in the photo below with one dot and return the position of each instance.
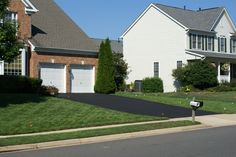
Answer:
(216, 142)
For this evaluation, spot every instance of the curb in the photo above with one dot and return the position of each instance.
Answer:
(99, 139)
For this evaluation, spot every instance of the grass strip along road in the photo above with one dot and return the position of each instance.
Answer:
(92, 133)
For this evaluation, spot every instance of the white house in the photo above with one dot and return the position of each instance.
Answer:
(163, 38)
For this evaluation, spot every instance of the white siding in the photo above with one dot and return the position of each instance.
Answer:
(223, 28)
(155, 38)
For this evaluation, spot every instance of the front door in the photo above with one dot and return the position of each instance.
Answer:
(1, 68)
(233, 72)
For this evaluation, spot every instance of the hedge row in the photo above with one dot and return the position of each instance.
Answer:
(19, 84)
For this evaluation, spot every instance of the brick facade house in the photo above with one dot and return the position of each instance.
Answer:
(56, 49)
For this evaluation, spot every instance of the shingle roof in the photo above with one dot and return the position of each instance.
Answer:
(52, 28)
(202, 20)
(116, 45)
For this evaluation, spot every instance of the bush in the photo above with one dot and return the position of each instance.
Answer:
(199, 74)
(152, 85)
(49, 90)
(19, 84)
(223, 87)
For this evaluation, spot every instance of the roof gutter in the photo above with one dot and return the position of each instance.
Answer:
(195, 54)
(66, 51)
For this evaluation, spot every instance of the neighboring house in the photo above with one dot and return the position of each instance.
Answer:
(116, 45)
(57, 50)
(164, 38)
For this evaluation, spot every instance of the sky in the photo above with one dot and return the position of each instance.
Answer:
(110, 18)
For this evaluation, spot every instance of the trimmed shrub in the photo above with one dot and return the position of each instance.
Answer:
(152, 85)
(199, 74)
(49, 90)
(19, 84)
(105, 82)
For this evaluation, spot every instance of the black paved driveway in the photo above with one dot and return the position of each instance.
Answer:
(134, 106)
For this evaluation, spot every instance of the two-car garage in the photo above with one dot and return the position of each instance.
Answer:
(81, 77)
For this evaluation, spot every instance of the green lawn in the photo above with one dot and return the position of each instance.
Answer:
(24, 113)
(92, 133)
(219, 102)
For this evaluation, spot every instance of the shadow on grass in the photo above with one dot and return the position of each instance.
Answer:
(18, 99)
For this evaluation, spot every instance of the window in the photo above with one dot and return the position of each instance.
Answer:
(210, 43)
(199, 42)
(222, 44)
(156, 69)
(194, 41)
(233, 46)
(179, 64)
(13, 68)
(10, 17)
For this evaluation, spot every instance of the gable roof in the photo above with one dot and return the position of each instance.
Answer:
(116, 45)
(53, 29)
(202, 20)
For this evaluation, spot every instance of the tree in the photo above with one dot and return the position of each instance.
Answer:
(9, 42)
(121, 72)
(200, 74)
(105, 82)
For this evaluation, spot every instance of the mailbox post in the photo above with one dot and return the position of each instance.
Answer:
(195, 105)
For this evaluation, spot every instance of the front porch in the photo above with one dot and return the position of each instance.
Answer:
(225, 63)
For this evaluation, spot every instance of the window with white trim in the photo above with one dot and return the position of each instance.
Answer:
(194, 40)
(222, 44)
(210, 43)
(179, 64)
(13, 68)
(233, 46)
(156, 69)
(199, 42)
(10, 17)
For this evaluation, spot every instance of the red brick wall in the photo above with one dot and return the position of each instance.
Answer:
(37, 58)
(24, 20)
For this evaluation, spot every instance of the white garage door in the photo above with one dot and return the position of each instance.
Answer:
(53, 75)
(82, 79)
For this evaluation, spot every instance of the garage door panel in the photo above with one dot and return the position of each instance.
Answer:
(82, 79)
(53, 75)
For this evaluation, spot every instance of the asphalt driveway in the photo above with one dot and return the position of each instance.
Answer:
(134, 106)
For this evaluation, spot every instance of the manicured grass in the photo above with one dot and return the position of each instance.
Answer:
(24, 113)
(92, 133)
(218, 102)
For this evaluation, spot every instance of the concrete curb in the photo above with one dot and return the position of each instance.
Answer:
(98, 139)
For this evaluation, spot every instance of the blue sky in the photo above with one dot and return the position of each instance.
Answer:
(110, 18)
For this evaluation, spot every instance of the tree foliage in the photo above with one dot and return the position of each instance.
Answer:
(105, 82)
(9, 42)
(200, 74)
(121, 72)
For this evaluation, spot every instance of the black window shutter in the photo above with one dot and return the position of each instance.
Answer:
(230, 45)
(206, 43)
(203, 42)
(218, 44)
(213, 39)
(225, 45)
(190, 40)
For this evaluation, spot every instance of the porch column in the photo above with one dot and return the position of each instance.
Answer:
(218, 69)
